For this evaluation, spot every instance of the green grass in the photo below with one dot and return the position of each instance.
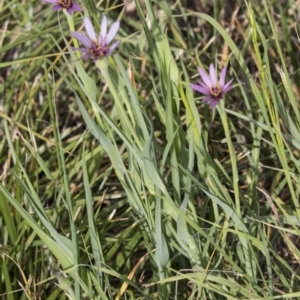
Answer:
(117, 182)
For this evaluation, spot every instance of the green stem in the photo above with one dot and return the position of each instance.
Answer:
(72, 28)
(235, 176)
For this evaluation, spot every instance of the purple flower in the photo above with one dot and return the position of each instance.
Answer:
(210, 87)
(69, 5)
(97, 47)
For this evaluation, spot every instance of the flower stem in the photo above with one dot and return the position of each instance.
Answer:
(232, 154)
(72, 28)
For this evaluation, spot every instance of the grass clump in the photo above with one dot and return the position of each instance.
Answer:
(119, 182)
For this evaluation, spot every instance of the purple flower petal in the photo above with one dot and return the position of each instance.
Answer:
(207, 99)
(103, 29)
(57, 7)
(89, 28)
(213, 75)
(205, 77)
(50, 1)
(113, 47)
(222, 77)
(203, 85)
(85, 56)
(70, 10)
(76, 7)
(82, 39)
(112, 32)
(82, 50)
(214, 103)
(199, 88)
(227, 87)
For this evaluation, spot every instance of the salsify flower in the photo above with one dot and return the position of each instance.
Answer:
(210, 87)
(69, 5)
(97, 47)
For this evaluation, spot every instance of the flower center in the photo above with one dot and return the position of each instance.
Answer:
(99, 51)
(215, 91)
(65, 3)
